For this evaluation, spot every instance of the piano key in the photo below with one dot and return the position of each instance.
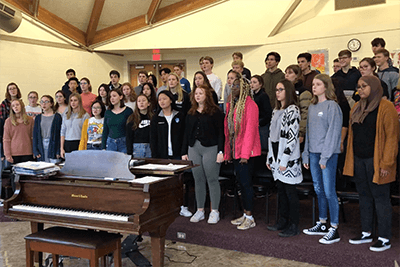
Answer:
(71, 212)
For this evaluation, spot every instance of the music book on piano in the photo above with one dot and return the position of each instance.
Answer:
(35, 168)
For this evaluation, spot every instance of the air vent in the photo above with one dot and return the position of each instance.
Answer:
(10, 18)
(7, 11)
(345, 4)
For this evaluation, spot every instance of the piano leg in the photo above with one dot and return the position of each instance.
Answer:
(36, 227)
(158, 244)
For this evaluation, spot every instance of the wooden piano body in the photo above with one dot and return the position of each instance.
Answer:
(144, 207)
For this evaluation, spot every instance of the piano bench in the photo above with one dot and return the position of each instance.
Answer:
(86, 244)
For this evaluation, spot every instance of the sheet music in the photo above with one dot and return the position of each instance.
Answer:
(35, 165)
(147, 179)
(168, 167)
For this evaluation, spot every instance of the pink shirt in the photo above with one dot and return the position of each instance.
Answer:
(87, 100)
(248, 143)
(17, 140)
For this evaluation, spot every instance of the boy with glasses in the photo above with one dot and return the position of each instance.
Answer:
(347, 76)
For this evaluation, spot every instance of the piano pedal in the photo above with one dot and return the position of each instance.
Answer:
(47, 262)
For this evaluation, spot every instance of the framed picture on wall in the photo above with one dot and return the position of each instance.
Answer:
(395, 54)
(320, 60)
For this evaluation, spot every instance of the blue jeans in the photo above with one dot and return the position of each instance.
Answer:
(141, 150)
(93, 147)
(46, 143)
(118, 144)
(325, 187)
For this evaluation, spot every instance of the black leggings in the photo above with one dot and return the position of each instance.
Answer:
(244, 177)
(289, 205)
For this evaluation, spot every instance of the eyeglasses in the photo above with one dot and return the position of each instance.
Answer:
(96, 107)
(83, 83)
(279, 90)
(364, 67)
(342, 58)
(362, 87)
(44, 102)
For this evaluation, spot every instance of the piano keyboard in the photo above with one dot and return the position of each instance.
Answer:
(71, 212)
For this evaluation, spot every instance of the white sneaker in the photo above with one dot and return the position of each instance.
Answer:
(185, 212)
(214, 217)
(198, 216)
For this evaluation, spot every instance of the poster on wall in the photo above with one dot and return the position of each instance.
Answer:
(395, 54)
(320, 60)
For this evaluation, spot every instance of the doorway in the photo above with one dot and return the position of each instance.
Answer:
(153, 68)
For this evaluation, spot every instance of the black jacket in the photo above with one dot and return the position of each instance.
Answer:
(208, 129)
(348, 81)
(264, 108)
(159, 135)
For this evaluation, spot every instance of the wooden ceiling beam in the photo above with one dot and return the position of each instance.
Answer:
(94, 20)
(155, 4)
(61, 26)
(181, 8)
(285, 17)
(34, 7)
(138, 23)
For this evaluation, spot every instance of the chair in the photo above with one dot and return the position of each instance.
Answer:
(86, 244)
(263, 181)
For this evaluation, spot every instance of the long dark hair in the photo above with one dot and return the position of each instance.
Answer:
(135, 116)
(209, 105)
(65, 99)
(103, 108)
(107, 89)
(170, 96)
(153, 96)
(290, 95)
(121, 102)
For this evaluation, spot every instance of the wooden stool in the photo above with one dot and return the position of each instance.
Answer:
(73, 242)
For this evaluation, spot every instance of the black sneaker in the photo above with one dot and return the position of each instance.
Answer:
(319, 229)
(380, 246)
(280, 225)
(361, 239)
(331, 237)
(292, 230)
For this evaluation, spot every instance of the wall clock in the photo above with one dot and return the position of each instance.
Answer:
(354, 45)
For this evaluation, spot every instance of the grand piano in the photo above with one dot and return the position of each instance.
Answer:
(102, 190)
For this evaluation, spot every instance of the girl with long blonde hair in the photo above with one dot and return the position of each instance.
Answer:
(242, 144)
(182, 99)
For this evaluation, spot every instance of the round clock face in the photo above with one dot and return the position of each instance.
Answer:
(354, 45)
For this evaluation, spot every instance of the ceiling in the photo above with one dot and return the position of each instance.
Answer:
(93, 22)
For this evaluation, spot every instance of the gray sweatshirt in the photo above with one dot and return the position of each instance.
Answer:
(324, 128)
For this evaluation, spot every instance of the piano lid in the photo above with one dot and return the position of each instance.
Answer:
(97, 163)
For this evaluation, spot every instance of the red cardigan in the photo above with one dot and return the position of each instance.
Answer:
(247, 143)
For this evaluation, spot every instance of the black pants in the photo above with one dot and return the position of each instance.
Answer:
(289, 205)
(244, 177)
(371, 195)
(71, 145)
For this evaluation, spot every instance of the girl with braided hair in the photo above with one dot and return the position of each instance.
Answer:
(242, 143)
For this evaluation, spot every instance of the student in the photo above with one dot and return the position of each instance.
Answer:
(371, 158)
(368, 68)
(272, 75)
(72, 122)
(284, 157)
(87, 96)
(114, 80)
(236, 56)
(336, 65)
(185, 84)
(293, 73)
(138, 129)
(203, 143)
(238, 66)
(153, 81)
(148, 90)
(200, 78)
(164, 73)
(103, 95)
(242, 143)
(114, 132)
(347, 75)
(143, 77)
(46, 132)
(92, 129)
(321, 150)
(73, 84)
(18, 132)
(304, 61)
(206, 65)
(129, 95)
(386, 73)
(264, 109)
(182, 99)
(33, 109)
(232, 75)
(166, 129)
(61, 106)
(70, 73)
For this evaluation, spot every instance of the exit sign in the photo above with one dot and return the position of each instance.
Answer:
(156, 57)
